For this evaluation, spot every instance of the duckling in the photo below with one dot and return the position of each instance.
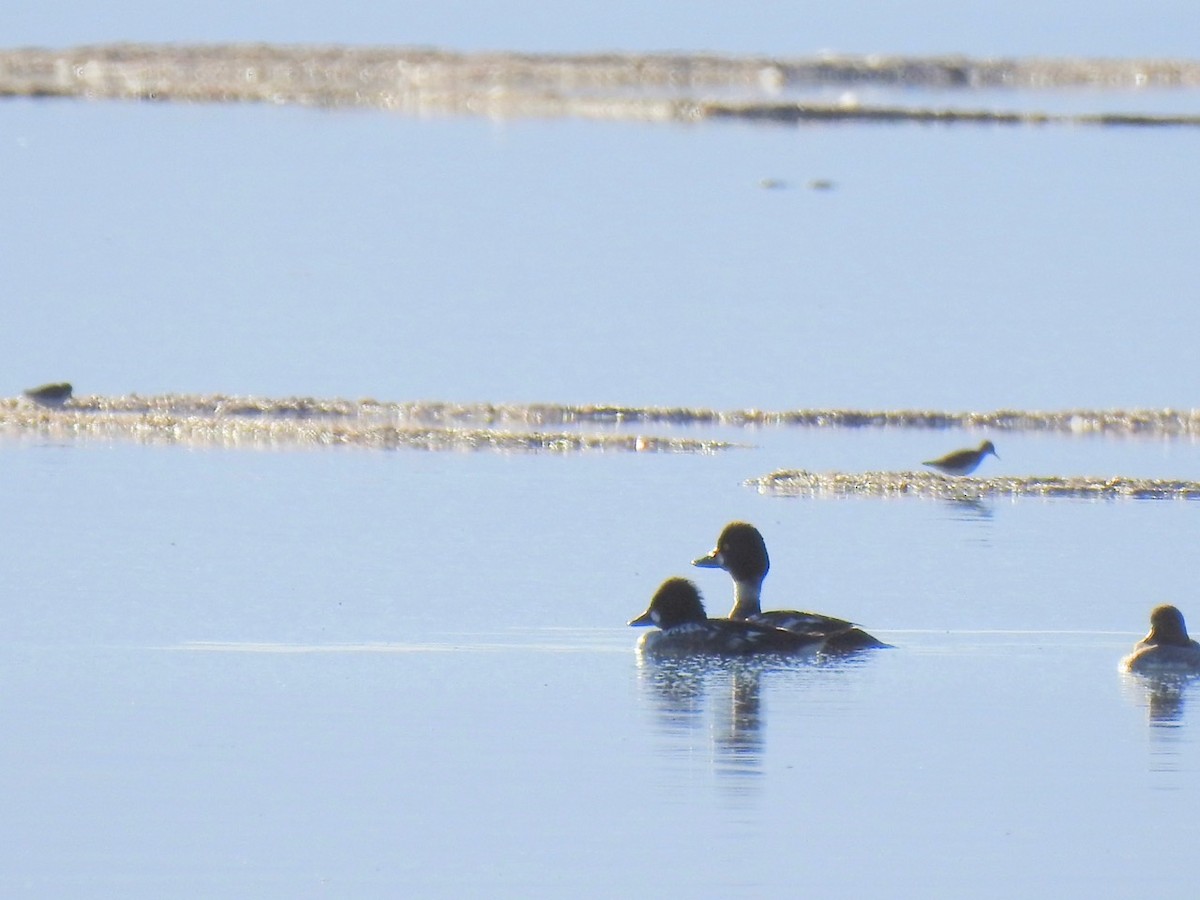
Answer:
(1167, 648)
(686, 630)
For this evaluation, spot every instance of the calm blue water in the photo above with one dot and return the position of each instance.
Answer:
(296, 674)
(352, 673)
(286, 251)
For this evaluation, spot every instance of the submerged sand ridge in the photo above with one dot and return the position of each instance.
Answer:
(305, 422)
(669, 87)
(801, 483)
(212, 420)
(299, 422)
(1150, 422)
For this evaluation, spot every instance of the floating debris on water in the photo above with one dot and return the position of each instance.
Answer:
(798, 482)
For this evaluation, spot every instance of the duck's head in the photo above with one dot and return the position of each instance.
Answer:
(676, 602)
(740, 551)
(1167, 626)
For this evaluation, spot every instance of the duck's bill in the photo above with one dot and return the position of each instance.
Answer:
(711, 561)
(643, 619)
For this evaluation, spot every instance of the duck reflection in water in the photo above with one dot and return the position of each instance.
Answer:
(725, 699)
(691, 656)
(1163, 697)
(679, 688)
(1165, 700)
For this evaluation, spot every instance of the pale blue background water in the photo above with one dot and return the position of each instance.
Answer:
(301, 674)
(1105, 28)
(287, 251)
(369, 674)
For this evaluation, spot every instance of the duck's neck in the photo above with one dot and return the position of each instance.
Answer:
(746, 600)
(1163, 637)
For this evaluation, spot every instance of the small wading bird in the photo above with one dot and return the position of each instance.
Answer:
(1167, 649)
(50, 394)
(962, 462)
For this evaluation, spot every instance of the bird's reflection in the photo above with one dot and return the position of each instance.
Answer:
(1164, 697)
(677, 687)
(732, 742)
(738, 725)
(970, 509)
(679, 691)
(1165, 702)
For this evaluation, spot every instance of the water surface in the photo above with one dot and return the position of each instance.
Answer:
(289, 673)
(355, 254)
(354, 672)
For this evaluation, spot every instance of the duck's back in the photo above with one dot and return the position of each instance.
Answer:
(838, 635)
(722, 637)
(800, 622)
(1163, 659)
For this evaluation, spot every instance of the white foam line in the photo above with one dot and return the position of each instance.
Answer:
(1005, 631)
(269, 647)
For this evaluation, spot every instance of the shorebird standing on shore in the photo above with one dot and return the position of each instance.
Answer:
(52, 395)
(962, 462)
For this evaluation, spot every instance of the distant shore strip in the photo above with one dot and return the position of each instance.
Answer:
(173, 408)
(230, 421)
(669, 87)
(801, 483)
(286, 427)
